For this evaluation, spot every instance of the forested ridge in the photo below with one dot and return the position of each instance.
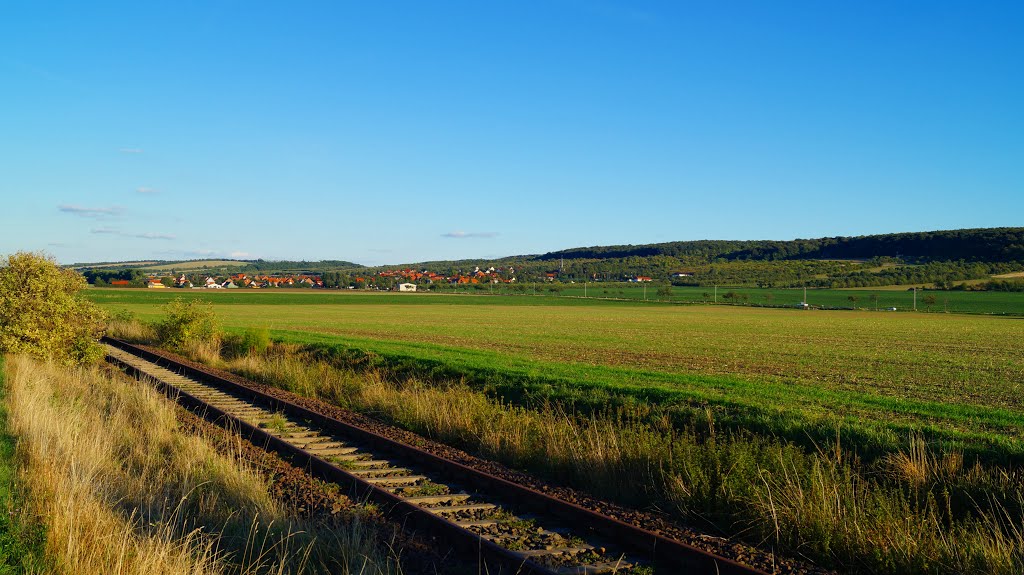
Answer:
(946, 259)
(974, 245)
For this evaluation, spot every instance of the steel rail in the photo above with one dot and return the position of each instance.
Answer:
(654, 547)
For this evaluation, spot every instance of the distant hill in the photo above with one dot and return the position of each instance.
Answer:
(300, 265)
(158, 266)
(938, 258)
(982, 244)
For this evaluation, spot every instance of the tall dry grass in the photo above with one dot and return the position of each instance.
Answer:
(131, 330)
(121, 490)
(899, 517)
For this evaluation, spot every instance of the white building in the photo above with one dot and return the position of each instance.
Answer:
(406, 287)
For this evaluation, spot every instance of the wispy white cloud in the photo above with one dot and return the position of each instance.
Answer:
(462, 235)
(91, 212)
(131, 150)
(141, 236)
(205, 254)
(145, 190)
(152, 236)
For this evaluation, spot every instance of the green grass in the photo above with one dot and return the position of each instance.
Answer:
(598, 294)
(21, 541)
(824, 504)
(873, 377)
(297, 296)
(803, 412)
(902, 299)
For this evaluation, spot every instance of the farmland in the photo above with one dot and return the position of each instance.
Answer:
(541, 294)
(899, 297)
(837, 435)
(874, 376)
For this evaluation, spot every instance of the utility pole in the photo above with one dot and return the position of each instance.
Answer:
(645, 292)
(716, 294)
(584, 288)
(915, 298)
(805, 295)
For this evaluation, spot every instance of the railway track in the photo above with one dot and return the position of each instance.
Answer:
(509, 527)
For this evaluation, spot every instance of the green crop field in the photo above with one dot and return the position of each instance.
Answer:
(875, 376)
(901, 298)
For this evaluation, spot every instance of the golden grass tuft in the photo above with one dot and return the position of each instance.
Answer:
(913, 466)
(918, 465)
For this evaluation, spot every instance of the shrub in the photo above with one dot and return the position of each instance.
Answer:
(187, 323)
(42, 315)
(253, 341)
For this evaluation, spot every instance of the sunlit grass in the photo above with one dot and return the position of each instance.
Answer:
(916, 511)
(874, 376)
(121, 490)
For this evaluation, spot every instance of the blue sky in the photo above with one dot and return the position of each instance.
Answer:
(390, 132)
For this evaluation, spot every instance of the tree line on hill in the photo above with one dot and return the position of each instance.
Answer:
(982, 244)
(944, 259)
(296, 266)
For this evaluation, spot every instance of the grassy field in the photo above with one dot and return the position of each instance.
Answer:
(990, 303)
(875, 377)
(899, 297)
(118, 497)
(21, 539)
(868, 441)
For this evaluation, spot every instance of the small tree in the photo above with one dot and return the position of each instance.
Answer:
(853, 299)
(768, 297)
(665, 291)
(42, 315)
(929, 300)
(187, 322)
(874, 300)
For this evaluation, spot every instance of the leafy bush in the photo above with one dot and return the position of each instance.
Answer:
(42, 315)
(187, 323)
(253, 341)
